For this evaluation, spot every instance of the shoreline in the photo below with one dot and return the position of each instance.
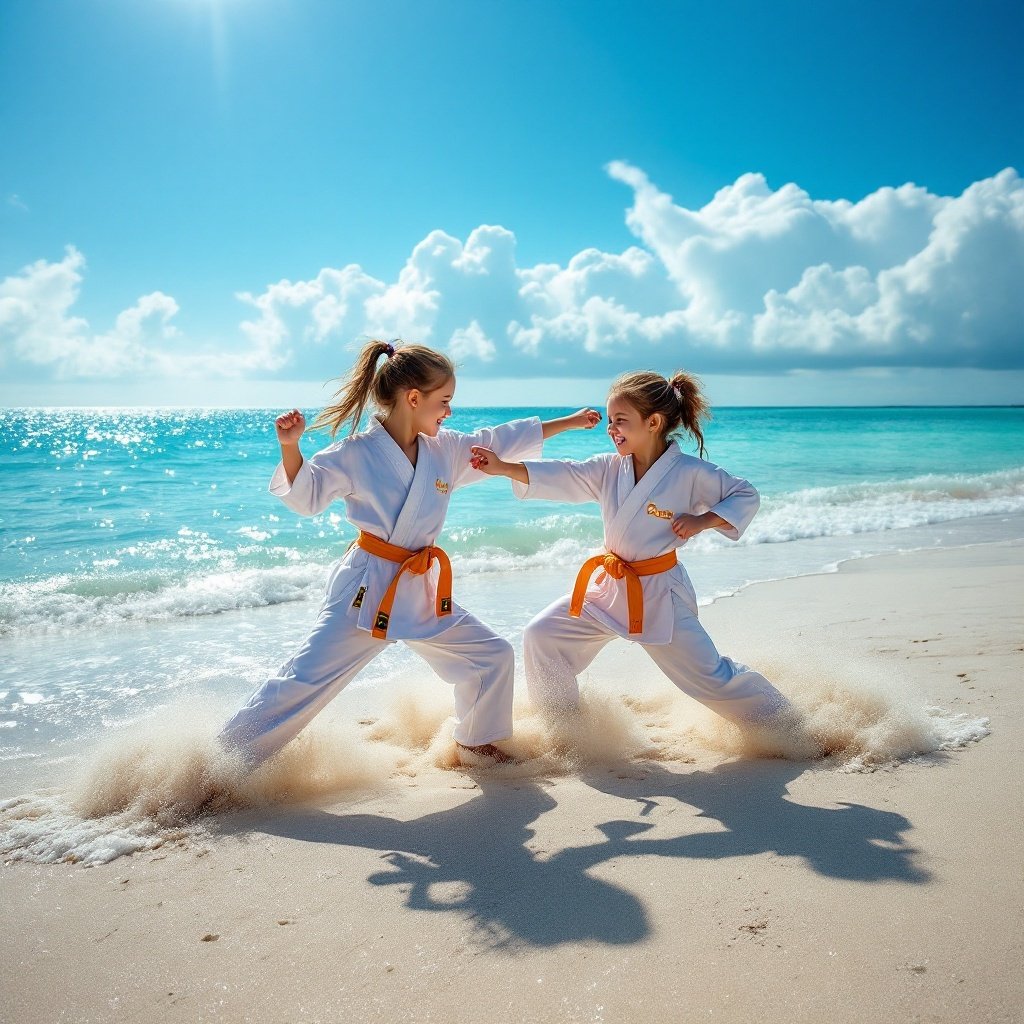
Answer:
(992, 527)
(633, 889)
(30, 768)
(841, 564)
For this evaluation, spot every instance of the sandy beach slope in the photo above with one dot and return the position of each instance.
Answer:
(704, 887)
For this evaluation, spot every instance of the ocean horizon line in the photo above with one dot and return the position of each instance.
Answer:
(500, 405)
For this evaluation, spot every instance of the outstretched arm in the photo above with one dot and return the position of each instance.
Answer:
(549, 479)
(585, 419)
(519, 439)
(487, 462)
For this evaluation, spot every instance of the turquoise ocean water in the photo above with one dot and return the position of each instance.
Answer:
(142, 558)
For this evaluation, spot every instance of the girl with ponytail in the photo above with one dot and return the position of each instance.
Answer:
(654, 498)
(395, 477)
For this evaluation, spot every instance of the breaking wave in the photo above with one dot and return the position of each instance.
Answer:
(562, 540)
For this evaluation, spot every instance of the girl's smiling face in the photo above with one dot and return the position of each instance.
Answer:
(432, 408)
(631, 433)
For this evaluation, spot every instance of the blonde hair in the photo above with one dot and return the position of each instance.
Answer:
(407, 367)
(679, 401)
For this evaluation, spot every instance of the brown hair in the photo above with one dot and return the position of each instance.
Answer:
(407, 367)
(680, 401)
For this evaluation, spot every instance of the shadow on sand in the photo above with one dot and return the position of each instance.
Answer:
(479, 859)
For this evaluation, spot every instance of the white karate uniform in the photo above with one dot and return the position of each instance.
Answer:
(638, 525)
(386, 496)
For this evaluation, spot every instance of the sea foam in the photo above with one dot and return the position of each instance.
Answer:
(229, 580)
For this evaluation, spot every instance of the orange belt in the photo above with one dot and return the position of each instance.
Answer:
(618, 568)
(416, 562)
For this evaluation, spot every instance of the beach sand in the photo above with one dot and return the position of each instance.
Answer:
(698, 884)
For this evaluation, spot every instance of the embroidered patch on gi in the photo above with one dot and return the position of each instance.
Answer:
(358, 602)
(442, 487)
(446, 605)
(382, 621)
(661, 513)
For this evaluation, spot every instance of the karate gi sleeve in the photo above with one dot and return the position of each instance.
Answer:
(512, 441)
(555, 480)
(731, 497)
(320, 480)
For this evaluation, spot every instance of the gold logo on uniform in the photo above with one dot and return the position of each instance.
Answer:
(382, 622)
(661, 513)
(446, 605)
(358, 602)
(442, 487)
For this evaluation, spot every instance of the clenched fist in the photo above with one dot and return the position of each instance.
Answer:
(586, 419)
(486, 461)
(290, 427)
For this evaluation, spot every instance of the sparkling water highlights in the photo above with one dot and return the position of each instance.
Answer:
(142, 559)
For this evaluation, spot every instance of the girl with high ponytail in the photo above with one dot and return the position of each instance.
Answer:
(395, 476)
(654, 498)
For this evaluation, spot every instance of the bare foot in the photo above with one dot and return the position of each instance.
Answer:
(488, 750)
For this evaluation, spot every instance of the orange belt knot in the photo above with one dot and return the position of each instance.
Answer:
(415, 561)
(618, 568)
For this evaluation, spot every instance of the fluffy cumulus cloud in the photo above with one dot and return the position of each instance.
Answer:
(41, 336)
(756, 279)
(38, 329)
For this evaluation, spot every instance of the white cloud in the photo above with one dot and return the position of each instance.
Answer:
(472, 342)
(39, 333)
(35, 322)
(957, 301)
(132, 346)
(756, 280)
(304, 317)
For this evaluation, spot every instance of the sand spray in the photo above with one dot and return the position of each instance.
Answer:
(161, 781)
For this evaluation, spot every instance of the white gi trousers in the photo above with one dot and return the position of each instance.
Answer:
(558, 646)
(478, 663)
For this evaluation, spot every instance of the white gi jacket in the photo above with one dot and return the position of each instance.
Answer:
(638, 524)
(404, 505)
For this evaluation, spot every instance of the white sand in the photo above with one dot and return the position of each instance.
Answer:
(654, 871)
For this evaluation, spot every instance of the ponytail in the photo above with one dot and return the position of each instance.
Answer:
(351, 398)
(693, 406)
(407, 367)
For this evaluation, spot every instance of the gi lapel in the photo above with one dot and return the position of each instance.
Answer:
(388, 448)
(422, 485)
(636, 499)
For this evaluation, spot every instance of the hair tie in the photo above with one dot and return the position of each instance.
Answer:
(679, 394)
(389, 349)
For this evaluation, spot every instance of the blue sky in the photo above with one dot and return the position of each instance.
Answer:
(192, 151)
